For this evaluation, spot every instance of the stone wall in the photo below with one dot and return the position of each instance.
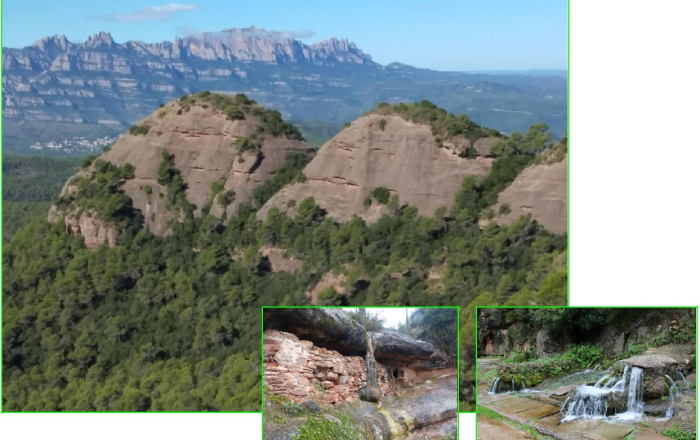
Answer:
(299, 370)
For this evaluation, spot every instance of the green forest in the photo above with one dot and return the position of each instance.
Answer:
(173, 323)
(29, 183)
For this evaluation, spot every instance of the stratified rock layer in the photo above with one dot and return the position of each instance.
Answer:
(402, 157)
(299, 370)
(541, 191)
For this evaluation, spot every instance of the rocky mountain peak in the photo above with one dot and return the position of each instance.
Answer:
(100, 39)
(54, 42)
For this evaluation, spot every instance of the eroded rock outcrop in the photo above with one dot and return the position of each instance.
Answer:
(201, 140)
(541, 191)
(395, 154)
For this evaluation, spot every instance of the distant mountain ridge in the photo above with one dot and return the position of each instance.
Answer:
(236, 44)
(57, 88)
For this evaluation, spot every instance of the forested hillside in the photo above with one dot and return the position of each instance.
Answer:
(172, 322)
(28, 184)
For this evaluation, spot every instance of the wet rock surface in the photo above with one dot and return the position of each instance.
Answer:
(330, 328)
(656, 367)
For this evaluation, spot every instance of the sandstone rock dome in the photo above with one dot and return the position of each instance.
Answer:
(385, 150)
(228, 141)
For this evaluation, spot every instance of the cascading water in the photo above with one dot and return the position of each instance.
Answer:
(672, 395)
(635, 391)
(493, 389)
(681, 379)
(522, 384)
(512, 384)
(598, 384)
(594, 401)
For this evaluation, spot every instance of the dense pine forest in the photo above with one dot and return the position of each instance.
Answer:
(173, 323)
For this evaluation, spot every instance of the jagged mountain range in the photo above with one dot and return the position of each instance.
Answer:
(56, 87)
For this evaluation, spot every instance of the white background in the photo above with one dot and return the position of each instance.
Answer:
(634, 181)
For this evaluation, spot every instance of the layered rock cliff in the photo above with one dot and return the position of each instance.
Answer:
(540, 190)
(382, 151)
(218, 146)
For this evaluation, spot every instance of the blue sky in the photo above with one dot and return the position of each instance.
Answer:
(443, 35)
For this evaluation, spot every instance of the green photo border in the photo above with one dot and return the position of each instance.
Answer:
(476, 341)
(262, 331)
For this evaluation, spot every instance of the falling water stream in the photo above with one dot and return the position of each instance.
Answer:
(370, 363)
(595, 401)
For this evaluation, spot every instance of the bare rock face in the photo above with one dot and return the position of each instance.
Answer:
(541, 191)
(201, 140)
(94, 231)
(300, 370)
(278, 261)
(400, 347)
(329, 279)
(402, 157)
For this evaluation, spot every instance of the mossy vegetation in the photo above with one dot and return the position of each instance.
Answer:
(323, 428)
(680, 432)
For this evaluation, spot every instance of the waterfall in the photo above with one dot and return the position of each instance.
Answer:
(681, 379)
(636, 389)
(561, 411)
(512, 384)
(671, 396)
(522, 383)
(610, 383)
(589, 402)
(596, 367)
(597, 385)
(494, 386)
(673, 385)
(593, 401)
(620, 384)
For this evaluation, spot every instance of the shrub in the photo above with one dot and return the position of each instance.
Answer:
(248, 144)
(382, 124)
(584, 354)
(89, 160)
(148, 190)
(381, 195)
(137, 130)
(521, 355)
